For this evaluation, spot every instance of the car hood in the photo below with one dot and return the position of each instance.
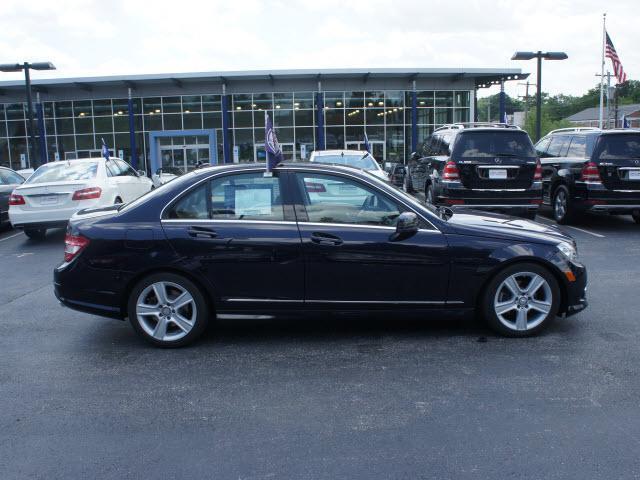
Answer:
(494, 225)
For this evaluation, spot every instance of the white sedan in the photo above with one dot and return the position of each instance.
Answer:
(351, 158)
(57, 190)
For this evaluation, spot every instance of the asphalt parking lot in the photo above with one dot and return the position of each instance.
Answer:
(406, 398)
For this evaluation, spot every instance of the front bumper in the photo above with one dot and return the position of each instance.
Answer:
(576, 291)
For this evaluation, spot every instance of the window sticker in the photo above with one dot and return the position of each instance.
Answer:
(253, 201)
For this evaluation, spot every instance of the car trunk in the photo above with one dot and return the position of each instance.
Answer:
(45, 196)
(618, 159)
(498, 172)
(496, 159)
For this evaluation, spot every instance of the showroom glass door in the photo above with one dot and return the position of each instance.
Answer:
(288, 152)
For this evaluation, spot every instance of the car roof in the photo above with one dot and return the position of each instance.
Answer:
(320, 153)
(238, 167)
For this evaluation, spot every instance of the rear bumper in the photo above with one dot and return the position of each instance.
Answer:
(596, 197)
(454, 194)
(50, 217)
(73, 292)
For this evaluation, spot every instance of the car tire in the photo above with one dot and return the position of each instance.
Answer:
(529, 309)
(35, 233)
(561, 205)
(168, 310)
(636, 217)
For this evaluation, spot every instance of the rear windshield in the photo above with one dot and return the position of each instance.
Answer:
(493, 144)
(365, 162)
(618, 147)
(59, 172)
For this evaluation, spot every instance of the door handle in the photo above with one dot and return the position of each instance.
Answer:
(202, 232)
(325, 239)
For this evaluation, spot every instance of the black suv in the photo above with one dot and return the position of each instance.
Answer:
(591, 169)
(484, 166)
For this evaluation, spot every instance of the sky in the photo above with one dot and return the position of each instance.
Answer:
(111, 37)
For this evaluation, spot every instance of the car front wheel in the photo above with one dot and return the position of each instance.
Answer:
(168, 310)
(521, 300)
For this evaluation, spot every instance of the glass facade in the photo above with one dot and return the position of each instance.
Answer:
(75, 129)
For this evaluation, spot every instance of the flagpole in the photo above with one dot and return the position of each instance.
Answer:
(604, 34)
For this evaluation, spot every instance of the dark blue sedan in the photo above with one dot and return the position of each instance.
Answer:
(232, 240)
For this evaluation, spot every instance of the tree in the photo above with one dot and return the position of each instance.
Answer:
(546, 125)
(511, 105)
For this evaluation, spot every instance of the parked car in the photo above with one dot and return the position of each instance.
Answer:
(352, 158)
(57, 190)
(165, 174)
(25, 172)
(228, 240)
(489, 167)
(9, 180)
(587, 169)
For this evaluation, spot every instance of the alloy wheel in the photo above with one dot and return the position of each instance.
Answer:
(166, 311)
(560, 205)
(523, 301)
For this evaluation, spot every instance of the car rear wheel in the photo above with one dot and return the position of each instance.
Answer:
(562, 208)
(521, 300)
(35, 233)
(168, 310)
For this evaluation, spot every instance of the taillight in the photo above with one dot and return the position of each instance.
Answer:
(537, 176)
(87, 193)
(590, 173)
(15, 199)
(73, 245)
(313, 187)
(451, 171)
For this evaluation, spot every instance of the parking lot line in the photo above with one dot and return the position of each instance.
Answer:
(12, 236)
(586, 231)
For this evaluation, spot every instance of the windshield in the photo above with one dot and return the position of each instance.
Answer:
(618, 147)
(364, 162)
(170, 171)
(60, 172)
(493, 144)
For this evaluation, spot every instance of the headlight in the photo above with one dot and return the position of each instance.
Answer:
(568, 250)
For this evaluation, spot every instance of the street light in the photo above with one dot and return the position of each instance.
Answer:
(539, 55)
(16, 67)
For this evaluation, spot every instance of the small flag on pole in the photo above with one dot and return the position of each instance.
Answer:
(271, 145)
(610, 52)
(105, 150)
(366, 143)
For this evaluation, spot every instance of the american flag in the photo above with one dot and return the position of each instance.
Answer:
(610, 52)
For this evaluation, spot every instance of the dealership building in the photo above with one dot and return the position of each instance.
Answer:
(215, 117)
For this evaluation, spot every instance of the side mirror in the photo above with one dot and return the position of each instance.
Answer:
(406, 226)
(141, 173)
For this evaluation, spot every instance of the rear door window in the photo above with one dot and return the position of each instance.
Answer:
(247, 196)
(618, 147)
(558, 146)
(577, 147)
(64, 171)
(493, 144)
(10, 178)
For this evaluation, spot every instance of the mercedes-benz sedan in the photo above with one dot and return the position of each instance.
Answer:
(230, 240)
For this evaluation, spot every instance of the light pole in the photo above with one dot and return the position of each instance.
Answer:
(539, 56)
(26, 66)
